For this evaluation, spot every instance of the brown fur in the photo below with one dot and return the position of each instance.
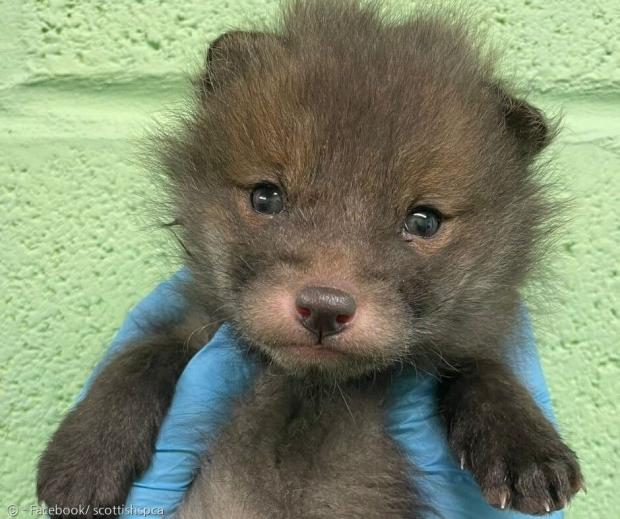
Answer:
(358, 118)
(356, 133)
(299, 450)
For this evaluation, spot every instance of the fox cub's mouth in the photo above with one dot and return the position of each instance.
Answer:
(310, 320)
(318, 352)
(322, 317)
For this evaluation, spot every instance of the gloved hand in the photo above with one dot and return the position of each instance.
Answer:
(217, 374)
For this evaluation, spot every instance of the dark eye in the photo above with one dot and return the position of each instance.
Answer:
(422, 222)
(267, 199)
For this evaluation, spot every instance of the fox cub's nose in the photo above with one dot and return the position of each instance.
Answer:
(324, 311)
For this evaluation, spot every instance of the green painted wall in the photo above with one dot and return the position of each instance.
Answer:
(79, 83)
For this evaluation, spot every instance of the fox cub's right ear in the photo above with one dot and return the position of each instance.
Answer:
(231, 55)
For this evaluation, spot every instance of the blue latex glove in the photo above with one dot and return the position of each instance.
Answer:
(218, 374)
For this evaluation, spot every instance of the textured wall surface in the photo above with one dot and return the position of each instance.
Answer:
(79, 82)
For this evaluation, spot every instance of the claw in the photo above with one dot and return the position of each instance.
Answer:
(547, 508)
(502, 500)
(462, 461)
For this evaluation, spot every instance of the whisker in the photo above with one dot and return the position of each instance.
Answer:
(345, 402)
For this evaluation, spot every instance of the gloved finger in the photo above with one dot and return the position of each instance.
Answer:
(204, 397)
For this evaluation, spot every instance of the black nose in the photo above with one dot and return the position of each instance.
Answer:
(324, 311)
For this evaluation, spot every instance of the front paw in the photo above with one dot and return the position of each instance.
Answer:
(78, 476)
(533, 473)
(79, 487)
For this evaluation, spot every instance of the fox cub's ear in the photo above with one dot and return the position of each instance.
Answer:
(531, 129)
(230, 55)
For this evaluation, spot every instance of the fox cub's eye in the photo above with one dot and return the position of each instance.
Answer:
(267, 199)
(422, 222)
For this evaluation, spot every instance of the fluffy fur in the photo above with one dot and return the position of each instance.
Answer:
(358, 118)
(305, 451)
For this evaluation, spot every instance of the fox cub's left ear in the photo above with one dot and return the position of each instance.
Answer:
(529, 126)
